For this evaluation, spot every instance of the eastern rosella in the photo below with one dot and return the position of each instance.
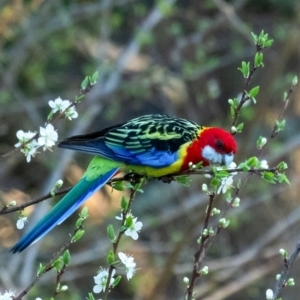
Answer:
(151, 145)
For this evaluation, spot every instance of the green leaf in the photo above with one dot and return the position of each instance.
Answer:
(58, 264)
(111, 233)
(123, 228)
(232, 111)
(78, 235)
(221, 174)
(244, 166)
(124, 203)
(66, 257)
(282, 166)
(79, 222)
(268, 43)
(110, 257)
(261, 141)
(116, 281)
(90, 297)
(245, 69)
(184, 180)
(262, 40)
(253, 92)
(283, 178)
(79, 98)
(49, 118)
(84, 213)
(118, 185)
(41, 269)
(239, 127)
(269, 177)
(280, 125)
(84, 83)
(295, 80)
(199, 165)
(128, 222)
(215, 182)
(95, 77)
(258, 59)
(255, 38)
(252, 161)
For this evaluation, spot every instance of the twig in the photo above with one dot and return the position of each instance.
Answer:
(121, 232)
(49, 266)
(128, 177)
(200, 253)
(286, 103)
(281, 283)
(10, 209)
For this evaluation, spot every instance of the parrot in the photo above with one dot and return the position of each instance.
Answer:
(152, 145)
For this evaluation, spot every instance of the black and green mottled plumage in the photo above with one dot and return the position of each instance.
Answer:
(137, 136)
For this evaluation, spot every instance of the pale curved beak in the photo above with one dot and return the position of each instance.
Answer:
(227, 159)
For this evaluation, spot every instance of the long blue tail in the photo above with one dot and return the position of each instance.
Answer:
(63, 209)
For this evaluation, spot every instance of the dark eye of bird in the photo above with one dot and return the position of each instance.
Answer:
(219, 144)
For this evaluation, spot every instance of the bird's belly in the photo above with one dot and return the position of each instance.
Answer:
(154, 172)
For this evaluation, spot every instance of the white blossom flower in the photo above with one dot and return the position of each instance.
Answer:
(24, 137)
(48, 136)
(263, 141)
(71, 113)
(58, 184)
(263, 164)
(101, 280)
(226, 184)
(135, 227)
(186, 280)
(21, 222)
(119, 218)
(204, 188)
(28, 148)
(63, 106)
(269, 294)
(59, 105)
(129, 263)
(232, 166)
(8, 295)
(233, 129)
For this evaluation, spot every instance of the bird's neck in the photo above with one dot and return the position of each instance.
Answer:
(194, 152)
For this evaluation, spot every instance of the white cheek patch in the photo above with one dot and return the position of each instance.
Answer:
(214, 157)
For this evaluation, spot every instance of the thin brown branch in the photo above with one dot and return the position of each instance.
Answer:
(121, 232)
(10, 209)
(286, 103)
(128, 177)
(288, 263)
(200, 253)
(49, 266)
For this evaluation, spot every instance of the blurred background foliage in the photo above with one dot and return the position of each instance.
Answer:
(174, 57)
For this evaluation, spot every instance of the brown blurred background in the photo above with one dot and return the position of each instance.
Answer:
(174, 57)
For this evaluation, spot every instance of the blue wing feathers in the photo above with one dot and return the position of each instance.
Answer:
(63, 209)
(152, 157)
